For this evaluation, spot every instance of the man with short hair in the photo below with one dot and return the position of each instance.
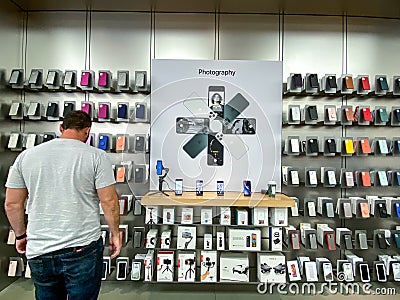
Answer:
(61, 182)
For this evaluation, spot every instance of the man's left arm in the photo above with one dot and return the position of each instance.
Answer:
(15, 210)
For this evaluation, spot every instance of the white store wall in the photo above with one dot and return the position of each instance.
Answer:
(129, 40)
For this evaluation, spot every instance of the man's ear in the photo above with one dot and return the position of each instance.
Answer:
(61, 128)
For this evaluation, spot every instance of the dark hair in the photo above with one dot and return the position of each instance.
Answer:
(77, 120)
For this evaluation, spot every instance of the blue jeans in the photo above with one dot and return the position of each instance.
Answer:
(75, 272)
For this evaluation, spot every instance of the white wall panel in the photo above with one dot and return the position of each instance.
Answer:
(312, 44)
(120, 41)
(10, 37)
(184, 36)
(249, 37)
(373, 46)
(56, 40)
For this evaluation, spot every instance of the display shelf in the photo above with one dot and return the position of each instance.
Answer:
(211, 199)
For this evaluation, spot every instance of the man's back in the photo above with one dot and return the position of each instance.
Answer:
(63, 207)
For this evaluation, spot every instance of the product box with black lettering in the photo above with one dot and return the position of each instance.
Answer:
(151, 238)
(275, 238)
(186, 237)
(165, 266)
(209, 265)
(186, 267)
(151, 215)
(271, 267)
(165, 239)
(234, 267)
(244, 239)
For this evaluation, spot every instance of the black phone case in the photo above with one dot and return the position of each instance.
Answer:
(297, 81)
(68, 107)
(139, 144)
(331, 82)
(52, 110)
(312, 112)
(313, 80)
(381, 241)
(139, 175)
(313, 145)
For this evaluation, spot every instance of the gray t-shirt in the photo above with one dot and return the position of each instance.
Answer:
(61, 176)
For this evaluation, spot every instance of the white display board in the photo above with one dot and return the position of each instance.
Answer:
(216, 120)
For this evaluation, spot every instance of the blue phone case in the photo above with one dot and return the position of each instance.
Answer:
(103, 142)
(122, 111)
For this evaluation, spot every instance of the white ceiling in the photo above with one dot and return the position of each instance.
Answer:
(379, 8)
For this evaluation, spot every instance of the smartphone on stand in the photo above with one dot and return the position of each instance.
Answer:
(199, 187)
(159, 167)
(178, 186)
(220, 188)
(246, 188)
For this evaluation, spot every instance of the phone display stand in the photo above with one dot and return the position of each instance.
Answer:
(311, 83)
(105, 81)
(312, 146)
(54, 79)
(311, 177)
(330, 146)
(345, 84)
(341, 206)
(347, 115)
(328, 84)
(87, 80)
(395, 116)
(310, 210)
(347, 146)
(362, 85)
(357, 243)
(35, 80)
(294, 115)
(362, 112)
(380, 146)
(70, 80)
(311, 116)
(123, 81)
(330, 115)
(395, 85)
(292, 145)
(381, 116)
(327, 179)
(381, 85)
(362, 148)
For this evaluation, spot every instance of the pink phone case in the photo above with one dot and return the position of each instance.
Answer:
(85, 78)
(103, 79)
(103, 111)
(86, 108)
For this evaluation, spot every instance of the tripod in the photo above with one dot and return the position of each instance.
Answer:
(189, 272)
(167, 263)
(151, 220)
(161, 180)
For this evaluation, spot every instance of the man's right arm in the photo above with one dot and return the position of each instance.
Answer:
(110, 205)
